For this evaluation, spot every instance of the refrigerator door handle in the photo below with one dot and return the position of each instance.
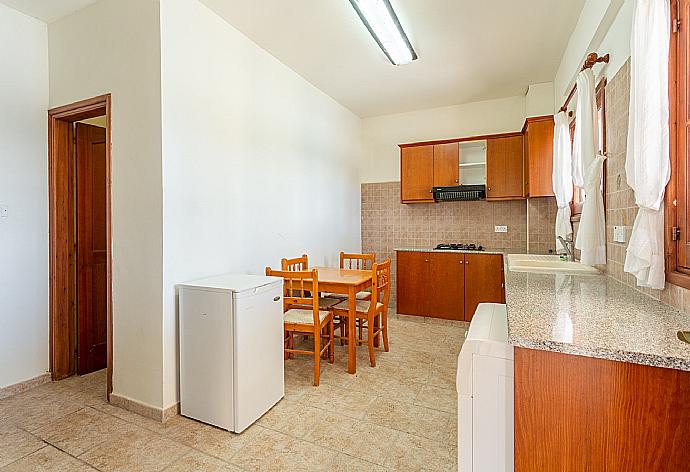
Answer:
(275, 299)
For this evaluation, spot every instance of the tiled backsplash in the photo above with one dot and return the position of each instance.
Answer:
(620, 199)
(387, 223)
(542, 222)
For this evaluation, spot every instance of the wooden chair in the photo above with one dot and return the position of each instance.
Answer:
(358, 262)
(297, 319)
(302, 263)
(372, 314)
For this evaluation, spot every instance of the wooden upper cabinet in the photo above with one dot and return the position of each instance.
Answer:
(539, 156)
(416, 174)
(446, 164)
(483, 281)
(504, 168)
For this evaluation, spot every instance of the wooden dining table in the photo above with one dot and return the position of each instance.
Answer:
(347, 282)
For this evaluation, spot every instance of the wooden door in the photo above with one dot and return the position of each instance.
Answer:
(539, 144)
(504, 168)
(483, 281)
(412, 283)
(417, 174)
(91, 249)
(447, 285)
(446, 164)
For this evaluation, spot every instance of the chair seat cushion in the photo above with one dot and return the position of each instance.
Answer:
(324, 303)
(304, 317)
(359, 295)
(362, 306)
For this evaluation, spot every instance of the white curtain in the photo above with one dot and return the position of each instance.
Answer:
(587, 172)
(586, 139)
(647, 165)
(562, 177)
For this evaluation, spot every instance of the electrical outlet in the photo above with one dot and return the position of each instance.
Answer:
(3, 212)
(619, 235)
(500, 229)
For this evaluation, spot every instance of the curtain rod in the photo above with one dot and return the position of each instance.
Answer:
(592, 58)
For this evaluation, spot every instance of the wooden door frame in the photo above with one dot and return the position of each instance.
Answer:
(61, 212)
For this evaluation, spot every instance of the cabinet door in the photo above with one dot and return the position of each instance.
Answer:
(504, 168)
(539, 143)
(447, 285)
(446, 164)
(412, 280)
(483, 281)
(416, 174)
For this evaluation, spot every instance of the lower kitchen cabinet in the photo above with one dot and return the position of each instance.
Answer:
(483, 281)
(447, 285)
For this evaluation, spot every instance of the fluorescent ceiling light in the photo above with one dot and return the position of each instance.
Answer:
(382, 22)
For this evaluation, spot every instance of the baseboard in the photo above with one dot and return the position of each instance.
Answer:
(158, 414)
(25, 385)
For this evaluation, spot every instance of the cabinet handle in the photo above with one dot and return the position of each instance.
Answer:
(488, 189)
(468, 262)
(462, 262)
(457, 181)
(426, 260)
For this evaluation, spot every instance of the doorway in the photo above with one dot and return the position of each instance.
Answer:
(79, 163)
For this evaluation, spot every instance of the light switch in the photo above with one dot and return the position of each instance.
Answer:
(619, 235)
(500, 229)
(3, 212)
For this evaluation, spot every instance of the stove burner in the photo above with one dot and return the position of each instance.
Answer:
(458, 247)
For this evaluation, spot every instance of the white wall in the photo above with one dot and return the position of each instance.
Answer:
(382, 134)
(258, 164)
(539, 99)
(114, 46)
(603, 27)
(24, 192)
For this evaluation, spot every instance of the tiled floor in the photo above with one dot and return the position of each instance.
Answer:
(400, 415)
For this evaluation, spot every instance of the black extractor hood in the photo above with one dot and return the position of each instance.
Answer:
(459, 193)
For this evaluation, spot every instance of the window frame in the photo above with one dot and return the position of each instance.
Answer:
(675, 274)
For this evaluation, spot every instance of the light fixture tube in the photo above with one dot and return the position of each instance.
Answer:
(382, 22)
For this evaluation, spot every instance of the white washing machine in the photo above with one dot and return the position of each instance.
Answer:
(485, 393)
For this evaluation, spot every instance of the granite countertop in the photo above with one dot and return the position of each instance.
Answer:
(594, 316)
(461, 251)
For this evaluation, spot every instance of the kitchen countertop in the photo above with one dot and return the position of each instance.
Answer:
(461, 251)
(594, 316)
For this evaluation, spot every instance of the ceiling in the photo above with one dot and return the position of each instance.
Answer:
(469, 50)
(48, 10)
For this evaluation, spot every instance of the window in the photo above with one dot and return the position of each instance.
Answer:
(677, 205)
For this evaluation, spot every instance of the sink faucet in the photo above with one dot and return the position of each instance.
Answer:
(568, 246)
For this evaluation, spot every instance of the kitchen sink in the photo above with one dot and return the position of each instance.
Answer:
(547, 264)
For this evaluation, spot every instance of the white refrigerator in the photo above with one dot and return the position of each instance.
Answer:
(231, 349)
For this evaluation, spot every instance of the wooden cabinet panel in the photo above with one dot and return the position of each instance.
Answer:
(446, 164)
(483, 281)
(576, 413)
(504, 168)
(446, 286)
(539, 156)
(416, 173)
(412, 272)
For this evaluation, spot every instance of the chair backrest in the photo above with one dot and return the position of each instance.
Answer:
(296, 264)
(299, 288)
(357, 261)
(381, 283)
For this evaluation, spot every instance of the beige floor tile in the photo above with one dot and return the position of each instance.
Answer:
(303, 420)
(412, 453)
(195, 461)
(211, 440)
(15, 444)
(346, 463)
(438, 398)
(32, 410)
(48, 459)
(273, 451)
(80, 431)
(345, 402)
(410, 418)
(138, 449)
(356, 438)
(392, 386)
